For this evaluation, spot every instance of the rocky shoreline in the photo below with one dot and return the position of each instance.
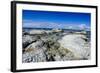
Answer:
(54, 45)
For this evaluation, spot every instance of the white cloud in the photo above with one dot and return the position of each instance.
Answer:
(82, 26)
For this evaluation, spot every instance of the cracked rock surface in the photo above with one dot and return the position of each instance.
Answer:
(45, 46)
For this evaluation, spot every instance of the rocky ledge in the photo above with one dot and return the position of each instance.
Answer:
(45, 46)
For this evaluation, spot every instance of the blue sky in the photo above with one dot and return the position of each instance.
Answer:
(50, 19)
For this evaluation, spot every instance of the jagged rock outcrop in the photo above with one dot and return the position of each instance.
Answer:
(34, 53)
(60, 46)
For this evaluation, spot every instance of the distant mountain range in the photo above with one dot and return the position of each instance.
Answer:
(29, 28)
(41, 25)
